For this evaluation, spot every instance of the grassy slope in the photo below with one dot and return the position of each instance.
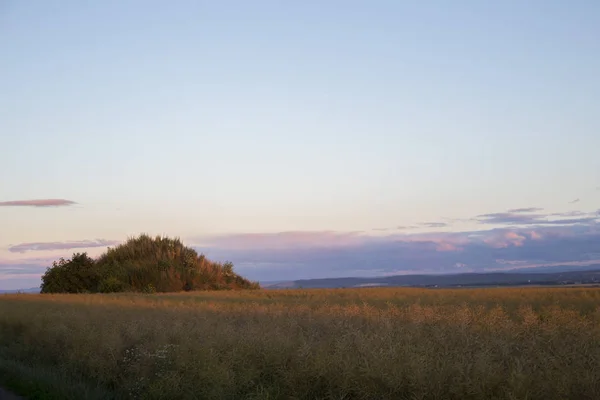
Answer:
(328, 344)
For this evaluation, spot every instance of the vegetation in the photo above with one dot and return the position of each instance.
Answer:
(383, 343)
(142, 264)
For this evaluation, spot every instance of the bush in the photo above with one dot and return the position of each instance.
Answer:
(111, 285)
(149, 289)
(77, 275)
(142, 264)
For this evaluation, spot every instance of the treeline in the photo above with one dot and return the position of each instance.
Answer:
(142, 264)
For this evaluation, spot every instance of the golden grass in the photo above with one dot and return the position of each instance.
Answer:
(375, 343)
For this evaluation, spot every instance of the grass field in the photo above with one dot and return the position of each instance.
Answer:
(375, 343)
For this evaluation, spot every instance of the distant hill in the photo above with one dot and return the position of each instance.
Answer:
(486, 279)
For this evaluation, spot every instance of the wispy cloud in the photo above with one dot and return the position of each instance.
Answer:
(37, 203)
(434, 224)
(508, 218)
(406, 227)
(571, 214)
(575, 201)
(45, 246)
(525, 210)
(22, 269)
(570, 221)
(520, 218)
(19, 276)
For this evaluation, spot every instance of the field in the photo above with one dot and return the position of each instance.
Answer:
(373, 343)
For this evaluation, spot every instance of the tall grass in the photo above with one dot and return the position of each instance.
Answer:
(311, 344)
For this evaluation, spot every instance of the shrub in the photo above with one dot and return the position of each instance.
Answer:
(142, 264)
(149, 288)
(77, 275)
(111, 285)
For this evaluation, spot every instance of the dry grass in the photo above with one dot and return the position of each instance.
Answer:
(308, 344)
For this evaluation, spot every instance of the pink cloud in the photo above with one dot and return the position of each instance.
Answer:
(514, 238)
(535, 236)
(46, 246)
(38, 203)
(444, 246)
(503, 239)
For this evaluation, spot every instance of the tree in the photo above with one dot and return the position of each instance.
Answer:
(77, 275)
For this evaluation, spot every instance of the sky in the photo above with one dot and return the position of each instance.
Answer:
(302, 139)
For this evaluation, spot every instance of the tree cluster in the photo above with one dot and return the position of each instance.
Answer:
(142, 264)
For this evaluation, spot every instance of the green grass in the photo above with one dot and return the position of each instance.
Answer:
(522, 343)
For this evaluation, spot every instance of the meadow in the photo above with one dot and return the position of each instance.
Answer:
(372, 343)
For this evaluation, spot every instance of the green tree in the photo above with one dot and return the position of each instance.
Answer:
(77, 275)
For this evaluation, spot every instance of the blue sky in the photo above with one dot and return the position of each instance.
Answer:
(257, 125)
